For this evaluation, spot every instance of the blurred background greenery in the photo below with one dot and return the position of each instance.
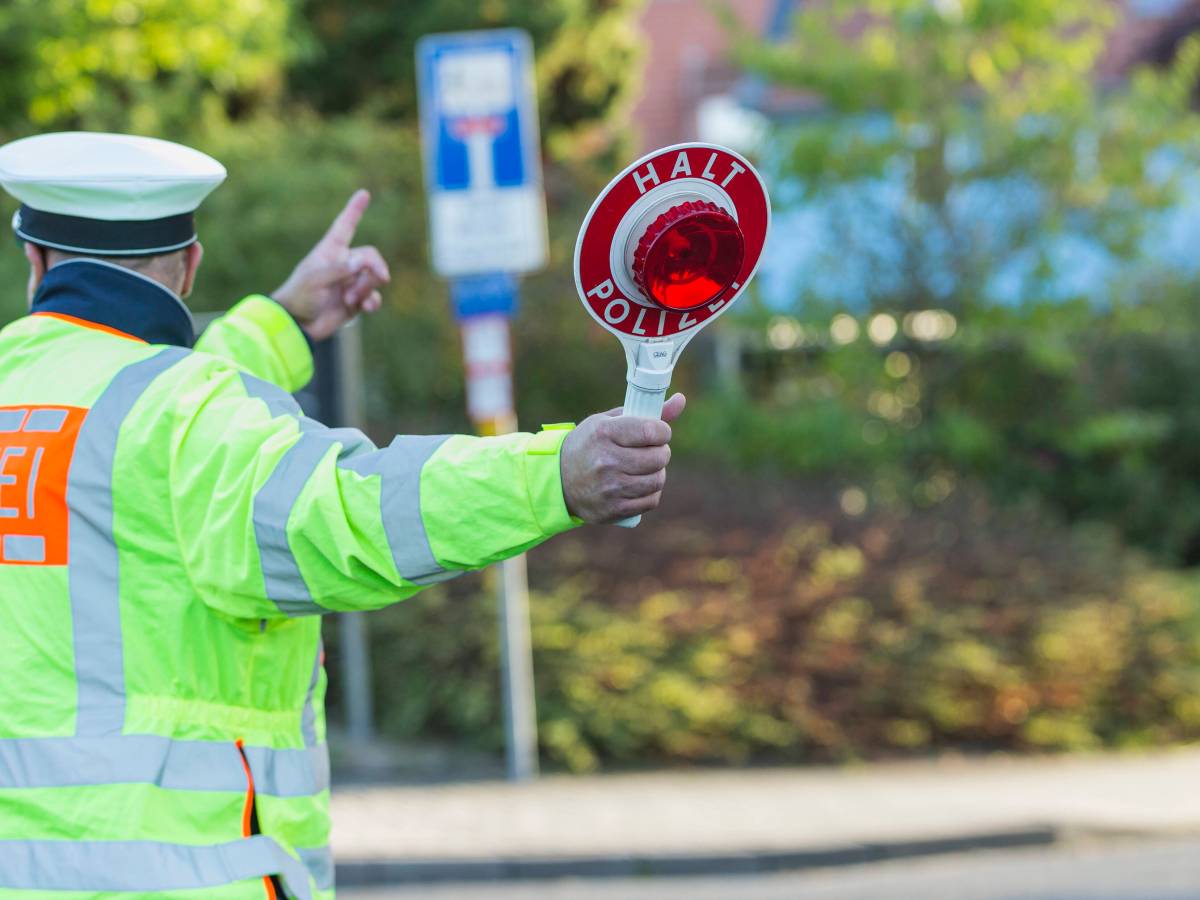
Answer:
(937, 487)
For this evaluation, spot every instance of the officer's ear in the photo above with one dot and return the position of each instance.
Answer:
(37, 267)
(194, 253)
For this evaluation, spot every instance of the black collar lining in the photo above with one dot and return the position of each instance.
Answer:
(108, 294)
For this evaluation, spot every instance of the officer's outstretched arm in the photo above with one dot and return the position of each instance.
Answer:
(260, 337)
(277, 515)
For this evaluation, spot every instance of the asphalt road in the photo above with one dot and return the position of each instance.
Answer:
(1096, 870)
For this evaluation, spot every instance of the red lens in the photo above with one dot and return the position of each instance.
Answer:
(689, 256)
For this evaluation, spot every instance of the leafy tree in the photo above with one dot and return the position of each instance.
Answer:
(150, 66)
(361, 54)
(968, 150)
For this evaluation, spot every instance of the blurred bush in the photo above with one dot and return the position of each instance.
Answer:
(1091, 411)
(766, 623)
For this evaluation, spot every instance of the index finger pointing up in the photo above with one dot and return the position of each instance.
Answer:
(341, 232)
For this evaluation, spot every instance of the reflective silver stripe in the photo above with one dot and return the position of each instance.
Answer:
(170, 764)
(24, 548)
(437, 577)
(290, 773)
(319, 863)
(146, 866)
(11, 419)
(273, 503)
(399, 467)
(92, 574)
(308, 718)
(281, 403)
(282, 579)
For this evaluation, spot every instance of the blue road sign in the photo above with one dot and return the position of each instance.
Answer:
(481, 295)
(480, 141)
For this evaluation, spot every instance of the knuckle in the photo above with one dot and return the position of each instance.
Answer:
(627, 508)
(623, 458)
(657, 459)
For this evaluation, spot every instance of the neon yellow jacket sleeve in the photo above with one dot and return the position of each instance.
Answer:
(260, 336)
(278, 515)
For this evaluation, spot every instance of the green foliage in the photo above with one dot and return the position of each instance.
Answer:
(361, 55)
(142, 66)
(800, 633)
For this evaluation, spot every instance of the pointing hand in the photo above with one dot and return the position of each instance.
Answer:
(335, 281)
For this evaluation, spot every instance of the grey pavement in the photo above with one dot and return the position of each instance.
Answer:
(1113, 870)
(752, 820)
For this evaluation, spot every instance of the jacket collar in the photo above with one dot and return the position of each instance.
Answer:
(118, 298)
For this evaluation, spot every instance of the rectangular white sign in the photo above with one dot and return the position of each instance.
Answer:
(479, 134)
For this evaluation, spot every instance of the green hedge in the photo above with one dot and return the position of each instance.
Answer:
(1091, 410)
(754, 619)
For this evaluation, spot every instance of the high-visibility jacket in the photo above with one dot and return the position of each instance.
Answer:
(170, 524)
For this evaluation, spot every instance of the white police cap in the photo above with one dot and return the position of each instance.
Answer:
(106, 194)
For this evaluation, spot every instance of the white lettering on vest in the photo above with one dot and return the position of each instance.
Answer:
(8, 512)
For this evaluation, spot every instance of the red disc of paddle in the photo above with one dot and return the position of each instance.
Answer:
(672, 241)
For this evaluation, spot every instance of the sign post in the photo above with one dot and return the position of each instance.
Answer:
(487, 223)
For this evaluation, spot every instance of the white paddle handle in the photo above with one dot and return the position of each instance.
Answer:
(647, 404)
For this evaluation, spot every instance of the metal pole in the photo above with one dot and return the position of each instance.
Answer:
(516, 654)
(356, 677)
(354, 645)
(516, 660)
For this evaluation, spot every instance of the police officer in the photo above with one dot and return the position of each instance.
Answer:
(172, 526)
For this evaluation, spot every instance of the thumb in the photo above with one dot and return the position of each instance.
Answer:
(673, 407)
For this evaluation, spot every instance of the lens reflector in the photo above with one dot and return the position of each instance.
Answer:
(689, 256)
